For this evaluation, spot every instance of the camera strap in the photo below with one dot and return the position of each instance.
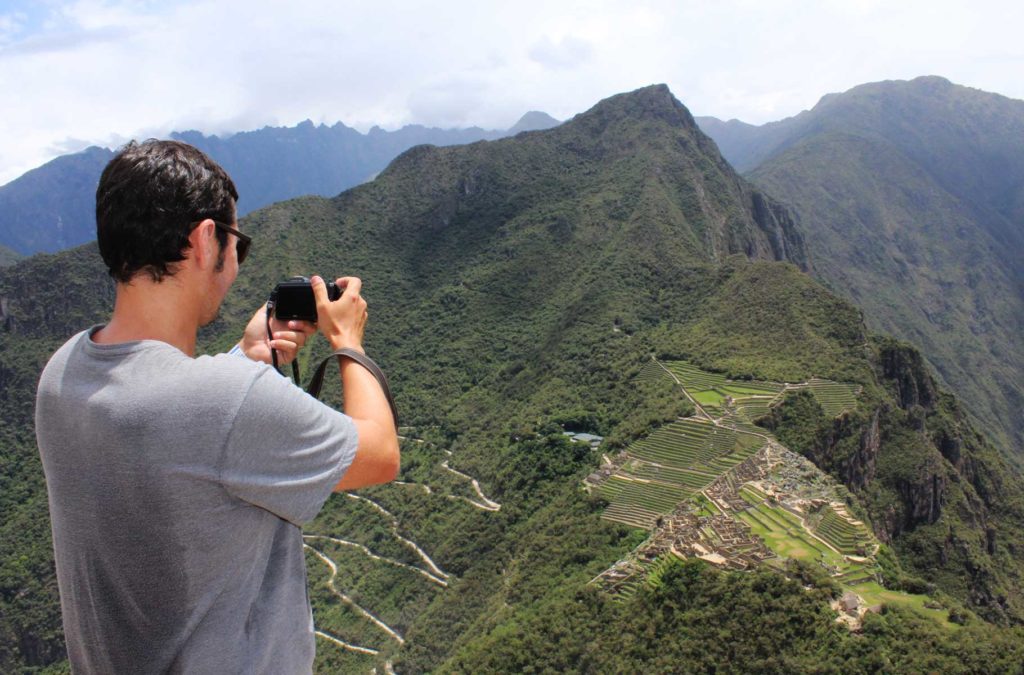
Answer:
(317, 382)
(365, 361)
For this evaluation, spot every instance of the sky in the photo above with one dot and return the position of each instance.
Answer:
(94, 72)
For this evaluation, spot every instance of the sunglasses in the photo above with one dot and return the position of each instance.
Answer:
(244, 240)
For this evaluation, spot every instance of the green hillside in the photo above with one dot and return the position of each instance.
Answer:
(910, 195)
(517, 289)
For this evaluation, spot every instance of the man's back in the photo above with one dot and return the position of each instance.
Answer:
(176, 489)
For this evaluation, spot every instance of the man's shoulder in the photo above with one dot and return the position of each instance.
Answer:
(59, 359)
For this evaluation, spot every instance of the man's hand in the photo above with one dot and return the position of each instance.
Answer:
(289, 336)
(342, 321)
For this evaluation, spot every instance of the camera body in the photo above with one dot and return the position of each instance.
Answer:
(294, 300)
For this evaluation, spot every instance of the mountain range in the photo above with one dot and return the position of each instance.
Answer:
(519, 289)
(911, 198)
(51, 208)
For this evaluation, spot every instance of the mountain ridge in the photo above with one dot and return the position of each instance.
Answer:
(50, 208)
(909, 194)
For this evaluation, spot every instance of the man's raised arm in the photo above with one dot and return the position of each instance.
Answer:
(342, 323)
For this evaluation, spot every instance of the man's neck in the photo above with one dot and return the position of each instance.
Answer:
(145, 310)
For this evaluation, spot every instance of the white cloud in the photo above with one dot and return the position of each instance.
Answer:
(568, 52)
(100, 71)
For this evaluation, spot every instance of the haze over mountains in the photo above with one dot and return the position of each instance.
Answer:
(517, 289)
(51, 208)
(911, 198)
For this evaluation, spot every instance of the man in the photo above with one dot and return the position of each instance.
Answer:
(178, 485)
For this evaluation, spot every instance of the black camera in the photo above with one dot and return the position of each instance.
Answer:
(293, 299)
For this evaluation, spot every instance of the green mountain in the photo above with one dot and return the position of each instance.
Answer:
(518, 290)
(911, 194)
(51, 207)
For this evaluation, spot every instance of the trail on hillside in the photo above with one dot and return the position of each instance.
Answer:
(697, 406)
(423, 486)
(349, 601)
(345, 645)
(484, 503)
(394, 530)
(344, 542)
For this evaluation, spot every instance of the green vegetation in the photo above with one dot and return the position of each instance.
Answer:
(914, 189)
(518, 289)
(742, 622)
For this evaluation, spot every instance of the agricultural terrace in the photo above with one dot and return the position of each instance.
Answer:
(784, 532)
(850, 537)
(671, 465)
(835, 398)
(740, 402)
(652, 370)
(787, 534)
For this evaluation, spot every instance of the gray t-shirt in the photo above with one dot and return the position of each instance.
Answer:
(177, 490)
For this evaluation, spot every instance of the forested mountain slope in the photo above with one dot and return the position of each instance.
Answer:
(911, 196)
(516, 289)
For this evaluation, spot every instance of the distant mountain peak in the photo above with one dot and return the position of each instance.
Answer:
(932, 80)
(653, 102)
(534, 120)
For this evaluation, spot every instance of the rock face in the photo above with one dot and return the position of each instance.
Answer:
(863, 464)
(906, 370)
(784, 237)
(935, 489)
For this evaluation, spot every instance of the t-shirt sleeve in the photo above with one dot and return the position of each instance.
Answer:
(286, 451)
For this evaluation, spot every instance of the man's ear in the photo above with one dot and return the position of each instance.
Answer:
(203, 245)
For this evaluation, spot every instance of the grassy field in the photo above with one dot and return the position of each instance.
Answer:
(874, 594)
(708, 397)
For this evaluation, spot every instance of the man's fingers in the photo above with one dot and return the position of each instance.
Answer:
(319, 291)
(283, 345)
(352, 285)
(298, 338)
(286, 350)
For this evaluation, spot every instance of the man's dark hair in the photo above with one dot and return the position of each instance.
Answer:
(149, 198)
